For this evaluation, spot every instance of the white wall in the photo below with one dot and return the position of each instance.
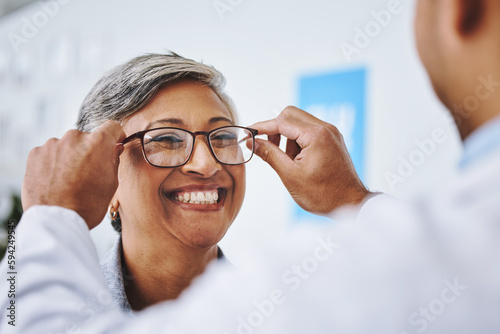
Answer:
(262, 47)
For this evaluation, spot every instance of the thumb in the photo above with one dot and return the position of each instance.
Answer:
(117, 152)
(275, 157)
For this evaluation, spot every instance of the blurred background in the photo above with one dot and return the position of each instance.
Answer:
(352, 63)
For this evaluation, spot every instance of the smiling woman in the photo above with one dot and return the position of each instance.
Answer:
(181, 175)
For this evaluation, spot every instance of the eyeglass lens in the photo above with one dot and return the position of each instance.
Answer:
(172, 147)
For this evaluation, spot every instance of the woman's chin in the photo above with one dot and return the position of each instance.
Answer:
(200, 236)
(197, 228)
(202, 241)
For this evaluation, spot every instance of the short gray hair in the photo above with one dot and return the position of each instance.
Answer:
(127, 88)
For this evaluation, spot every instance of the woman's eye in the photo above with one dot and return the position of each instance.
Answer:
(225, 137)
(167, 139)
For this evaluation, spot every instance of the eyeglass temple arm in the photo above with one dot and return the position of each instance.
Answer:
(130, 138)
(254, 133)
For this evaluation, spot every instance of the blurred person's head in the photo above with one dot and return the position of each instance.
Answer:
(458, 43)
(166, 90)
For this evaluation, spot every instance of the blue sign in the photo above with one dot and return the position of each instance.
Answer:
(338, 98)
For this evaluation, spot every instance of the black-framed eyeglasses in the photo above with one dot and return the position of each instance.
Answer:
(172, 147)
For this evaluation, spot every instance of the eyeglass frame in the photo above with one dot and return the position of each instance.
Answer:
(140, 135)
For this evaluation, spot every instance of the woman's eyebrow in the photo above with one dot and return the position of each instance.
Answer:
(168, 121)
(180, 122)
(220, 119)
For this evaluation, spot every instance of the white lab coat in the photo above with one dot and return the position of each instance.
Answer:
(431, 267)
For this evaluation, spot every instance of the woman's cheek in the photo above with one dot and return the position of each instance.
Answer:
(238, 174)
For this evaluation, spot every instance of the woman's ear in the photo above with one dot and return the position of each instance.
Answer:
(459, 21)
(470, 15)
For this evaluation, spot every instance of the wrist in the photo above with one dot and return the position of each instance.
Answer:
(361, 196)
(352, 198)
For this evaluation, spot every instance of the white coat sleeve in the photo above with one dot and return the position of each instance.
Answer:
(58, 285)
(60, 288)
(367, 275)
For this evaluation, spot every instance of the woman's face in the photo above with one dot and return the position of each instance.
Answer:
(148, 196)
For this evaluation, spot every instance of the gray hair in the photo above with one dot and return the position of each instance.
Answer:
(127, 88)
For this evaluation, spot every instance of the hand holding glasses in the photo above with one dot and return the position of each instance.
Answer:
(172, 147)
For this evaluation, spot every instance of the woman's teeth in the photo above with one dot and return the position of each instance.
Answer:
(198, 197)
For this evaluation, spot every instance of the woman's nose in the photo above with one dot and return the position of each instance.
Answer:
(202, 162)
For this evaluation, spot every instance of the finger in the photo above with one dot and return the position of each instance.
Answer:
(70, 136)
(119, 148)
(278, 126)
(291, 112)
(300, 115)
(297, 125)
(269, 127)
(275, 157)
(288, 114)
(112, 130)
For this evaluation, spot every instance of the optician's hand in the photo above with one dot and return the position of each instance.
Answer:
(316, 168)
(78, 172)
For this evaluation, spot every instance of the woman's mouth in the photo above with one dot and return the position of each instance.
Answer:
(197, 197)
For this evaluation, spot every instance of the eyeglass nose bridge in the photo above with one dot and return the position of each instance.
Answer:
(206, 135)
(200, 133)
